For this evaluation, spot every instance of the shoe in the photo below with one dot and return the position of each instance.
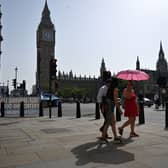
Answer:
(117, 139)
(120, 130)
(133, 134)
(108, 137)
(101, 130)
(103, 139)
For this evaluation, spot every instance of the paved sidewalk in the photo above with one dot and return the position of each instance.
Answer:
(69, 142)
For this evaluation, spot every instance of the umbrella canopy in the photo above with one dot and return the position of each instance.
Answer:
(132, 75)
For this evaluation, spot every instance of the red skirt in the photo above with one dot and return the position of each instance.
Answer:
(131, 109)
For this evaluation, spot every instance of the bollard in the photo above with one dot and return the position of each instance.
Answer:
(166, 116)
(118, 115)
(141, 113)
(41, 114)
(22, 109)
(97, 111)
(78, 112)
(2, 109)
(59, 109)
(50, 109)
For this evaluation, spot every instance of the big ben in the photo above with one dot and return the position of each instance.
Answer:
(45, 50)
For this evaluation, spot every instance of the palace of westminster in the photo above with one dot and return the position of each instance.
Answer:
(45, 40)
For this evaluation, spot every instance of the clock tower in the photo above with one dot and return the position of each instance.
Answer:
(45, 50)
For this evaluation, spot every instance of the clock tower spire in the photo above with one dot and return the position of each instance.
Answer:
(46, 20)
(45, 38)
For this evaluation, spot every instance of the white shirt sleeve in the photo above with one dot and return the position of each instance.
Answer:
(102, 92)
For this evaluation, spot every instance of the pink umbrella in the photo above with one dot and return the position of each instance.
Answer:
(132, 75)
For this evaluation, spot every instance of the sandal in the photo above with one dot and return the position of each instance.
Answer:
(103, 139)
(120, 130)
(133, 134)
(117, 139)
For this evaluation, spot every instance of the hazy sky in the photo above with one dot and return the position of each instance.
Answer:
(86, 32)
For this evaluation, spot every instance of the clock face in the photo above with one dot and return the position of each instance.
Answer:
(47, 35)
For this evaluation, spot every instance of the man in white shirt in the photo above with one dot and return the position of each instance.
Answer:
(100, 99)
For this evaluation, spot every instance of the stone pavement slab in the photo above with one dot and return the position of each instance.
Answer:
(69, 142)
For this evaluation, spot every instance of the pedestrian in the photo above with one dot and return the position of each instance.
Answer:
(131, 109)
(101, 100)
(111, 100)
(157, 101)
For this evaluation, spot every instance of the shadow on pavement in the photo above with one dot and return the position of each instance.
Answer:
(99, 152)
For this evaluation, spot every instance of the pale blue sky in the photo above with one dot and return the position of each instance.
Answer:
(86, 32)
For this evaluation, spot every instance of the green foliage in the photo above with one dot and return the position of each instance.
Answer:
(73, 92)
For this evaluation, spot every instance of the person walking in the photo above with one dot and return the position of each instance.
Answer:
(101, 100)
(111, 100)
(131, 109)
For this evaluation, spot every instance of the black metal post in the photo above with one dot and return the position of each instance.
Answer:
(118, 115)
(50, 103)
(141, 113)
(41, 109)
(59, 109)
(2, 109)
(50, 106)
(78, 112)
(97, 111)
(166, 116)
(22, 109)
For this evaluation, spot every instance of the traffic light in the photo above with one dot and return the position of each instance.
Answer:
(162, 81)
(14, 83)
(53, 68)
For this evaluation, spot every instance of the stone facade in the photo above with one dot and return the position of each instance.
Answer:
(45, 50)
(150, 88)
(91, 85)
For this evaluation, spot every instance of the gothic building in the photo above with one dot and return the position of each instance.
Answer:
(90, 84)
(157, 77)
(45, 50)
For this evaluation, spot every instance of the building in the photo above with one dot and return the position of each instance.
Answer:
(4, 91)
(158, 81)
(45, 51)
(88, 85)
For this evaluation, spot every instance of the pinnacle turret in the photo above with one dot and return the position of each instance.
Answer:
(45, 19)
(137, 64)
(161, 52)
(102, 68)
(161, 64)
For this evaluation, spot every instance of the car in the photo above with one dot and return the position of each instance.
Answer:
(45, 98)
(148, 102)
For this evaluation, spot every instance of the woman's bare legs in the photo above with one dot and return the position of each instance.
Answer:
(132, 126)
(113, 126)
(131, 122)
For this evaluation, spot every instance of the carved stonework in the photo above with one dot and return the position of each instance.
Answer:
(45, 50)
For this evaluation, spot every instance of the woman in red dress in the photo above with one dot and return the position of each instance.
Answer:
(131, 109)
